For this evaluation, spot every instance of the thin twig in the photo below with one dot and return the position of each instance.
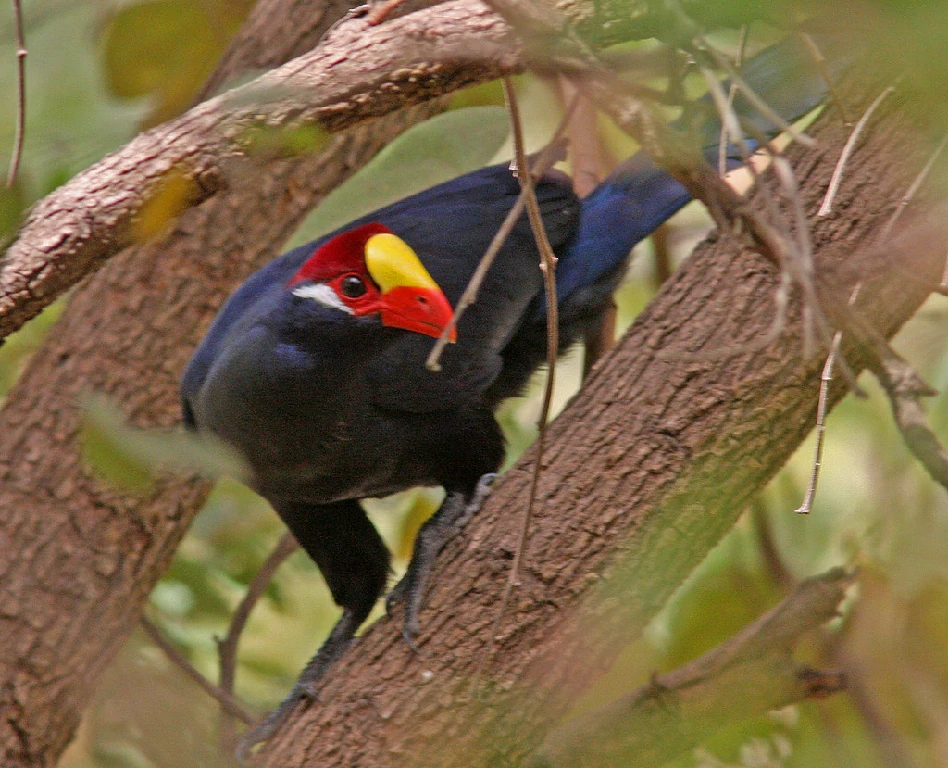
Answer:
(227, 647)
(803, 253)
(799, 259)
(820, 60)
(838, 171)
(21, 54)
(474, 284)
(729, 108)
(588, 157)
(749, 673)
(589, 165)
(912, 190)
(545, 160)
(548, 266)
(798, 264)
(821, 408)
(226, 699)
(767, 546)
(730, 125)
(756, 101)
(662, 255)
(904, 388)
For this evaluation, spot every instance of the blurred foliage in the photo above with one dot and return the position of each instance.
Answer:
(100, 70)
(129, 457)
(264, 142)
(615, 21)
(71, 120)
(169, 198)
(165, 49)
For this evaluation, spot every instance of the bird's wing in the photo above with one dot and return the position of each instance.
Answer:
(451, 227)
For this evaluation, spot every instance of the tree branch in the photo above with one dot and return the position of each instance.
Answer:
(222, 695)
(644, 472)
(78, 558)
(356, 74)
(227, 647)
(746, 676)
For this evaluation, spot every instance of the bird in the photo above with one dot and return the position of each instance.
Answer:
(314, 369)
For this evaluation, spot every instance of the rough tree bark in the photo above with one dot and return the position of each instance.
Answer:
(646, 469)
(359, 73)
(79, 559)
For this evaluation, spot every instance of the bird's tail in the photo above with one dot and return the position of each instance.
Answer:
(638, 197)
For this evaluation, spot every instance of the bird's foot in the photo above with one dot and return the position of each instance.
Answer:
(455, 512)
(267, 728)
(307, 687)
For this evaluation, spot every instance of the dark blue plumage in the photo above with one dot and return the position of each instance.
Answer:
(331, 404)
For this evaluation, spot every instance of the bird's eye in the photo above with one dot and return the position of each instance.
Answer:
(352, 287)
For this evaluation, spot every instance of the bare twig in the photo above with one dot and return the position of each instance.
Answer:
(821, 408)
(588, 159)
(730, 125)
(820, 60)
(837, 177)
(904, 388)
(803, 257)
(641, 119)
(767, 546)
(227, 647)
(544, 161)
(731, 93)
(746, 675)
(474, 284)
(381, 11)
(548, 266)
(662, 258)
(912, 190)
(758, 103)
(21, 54)
(227, 701)
(799, 250)
(797, 266)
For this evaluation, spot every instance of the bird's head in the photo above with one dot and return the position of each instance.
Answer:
(371, 271)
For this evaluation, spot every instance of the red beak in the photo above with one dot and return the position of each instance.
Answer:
(422, 310)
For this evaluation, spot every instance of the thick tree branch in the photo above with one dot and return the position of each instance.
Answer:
(274, 32)
(357, 73)
(657, 458)
(78, 558)
(644, 473)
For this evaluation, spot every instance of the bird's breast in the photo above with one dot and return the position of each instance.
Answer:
(306, 423)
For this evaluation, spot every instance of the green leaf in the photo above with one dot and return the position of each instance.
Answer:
(162, 48)
(130, 457)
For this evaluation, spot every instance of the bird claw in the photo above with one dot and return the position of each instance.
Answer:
(307, 687)
(397, 595)
(402, 593)
(485, 487)
(268, 727)
(409, 633)
(450, 518)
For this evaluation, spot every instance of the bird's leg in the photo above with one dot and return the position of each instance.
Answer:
(355, 563)
(307, 687)
(451, 517)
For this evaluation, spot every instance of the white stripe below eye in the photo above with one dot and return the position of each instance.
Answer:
(323, 294)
